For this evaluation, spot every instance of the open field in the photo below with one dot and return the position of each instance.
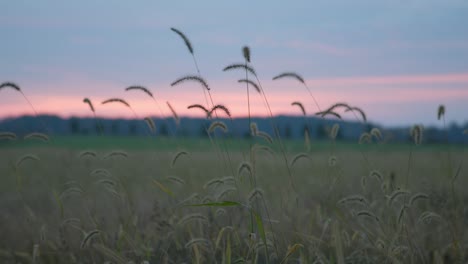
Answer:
(130, 200)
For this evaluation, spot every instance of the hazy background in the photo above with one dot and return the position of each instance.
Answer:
(398, 60)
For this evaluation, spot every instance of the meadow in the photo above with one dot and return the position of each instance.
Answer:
(262, 199)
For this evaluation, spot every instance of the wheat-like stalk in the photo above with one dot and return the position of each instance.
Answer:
(201, 107)
(359, 110)
(198, 79)
(257, 88)
(396, 194)
(354, 198)
(334, 131)
(225, 191)
(176, 180)
(417, 133)
(368, 214)
(402, 212)
(88, 237)
(307, 138)
(328, 112)
(246, 53)
(257, 192)
(116, 100)
(186, 40)
(10, 85)
(440, 111)
(299, 104)
(365, 138)
(211, 182)
(290, 75)
(151, 125)
(140, 88)
(244, 166)
(376, 133)
(241, 66)
(298, 157)
(265, 136)
(36, 135)
(332, 160)
(416, 197)
(197, 241)
(87, 153)
(217, 124)
(219, 107)
(115, 153)
(192, 217)
(177, 156)
(174, 113)
(8, 136)
(253, 129)
(376, 174)
(25, 158)
(88, 102)
(101, 171)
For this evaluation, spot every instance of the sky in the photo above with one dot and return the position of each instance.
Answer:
(397, 60)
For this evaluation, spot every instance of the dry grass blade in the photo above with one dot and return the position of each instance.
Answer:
(235, 66)
(174, 113)
(217, 124)
(116, 100)
(140, 88)
(440, 112)
(87, 101)
(8, 135)
(201, 107)
(289, 75)
(265, 136)
(376, 174)
(246, 53)
(151, 125)
(177, 156)
(88, 237)
(163, 188)
(186, 40)
(39, 136)
(219, 107)
(198, 79)
(298, 157)
(251, 83)
(299, 104)
(25, 158)
(11, 85)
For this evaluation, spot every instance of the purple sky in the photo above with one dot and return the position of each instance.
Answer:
(397, 60)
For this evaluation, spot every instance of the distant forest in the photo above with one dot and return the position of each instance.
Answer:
(289, 127)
